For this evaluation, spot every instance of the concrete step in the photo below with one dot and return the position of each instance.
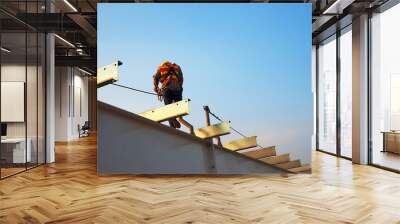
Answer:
(289, 165)
(261, 153)
(240, 144)
(276, 159)
(167, 112)
(304, 168)
(213, 130)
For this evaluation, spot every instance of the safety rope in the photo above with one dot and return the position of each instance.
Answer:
(138, 90)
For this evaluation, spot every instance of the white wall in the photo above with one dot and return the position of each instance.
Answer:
(16, 73)
(34, 124)
(61, 103)
(71, 102)
(80, 110)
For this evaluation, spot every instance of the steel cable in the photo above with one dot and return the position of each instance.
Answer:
(138, 90)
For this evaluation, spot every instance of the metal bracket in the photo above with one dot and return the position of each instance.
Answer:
(186, 124)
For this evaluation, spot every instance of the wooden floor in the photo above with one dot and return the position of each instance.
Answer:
(386, 159)
(70, 191)
(5, 172)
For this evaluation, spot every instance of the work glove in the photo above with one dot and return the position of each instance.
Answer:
(159, 93)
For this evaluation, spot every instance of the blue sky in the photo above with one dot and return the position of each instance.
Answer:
(251, 63)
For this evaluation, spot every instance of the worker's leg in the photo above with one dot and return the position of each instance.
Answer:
(168, 99)
(167, 96)
(176, 96)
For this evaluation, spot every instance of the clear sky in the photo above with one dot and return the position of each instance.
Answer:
(251, 63)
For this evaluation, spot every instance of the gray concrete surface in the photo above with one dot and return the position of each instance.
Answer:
(130, 144)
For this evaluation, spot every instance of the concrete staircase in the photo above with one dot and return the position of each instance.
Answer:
(131, 144)
(266, 155)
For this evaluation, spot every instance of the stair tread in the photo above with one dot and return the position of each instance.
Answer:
(302, 168)
(213, 130)
(276, 159)
(173, 110)
(289, 165)
(240, 144)
(261, 153)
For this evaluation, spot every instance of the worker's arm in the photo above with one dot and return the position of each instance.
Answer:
(180, 76)
(156, 79)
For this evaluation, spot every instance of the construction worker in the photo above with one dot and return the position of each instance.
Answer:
(171, 78)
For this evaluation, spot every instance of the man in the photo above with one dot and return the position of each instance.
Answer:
(171, 78)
